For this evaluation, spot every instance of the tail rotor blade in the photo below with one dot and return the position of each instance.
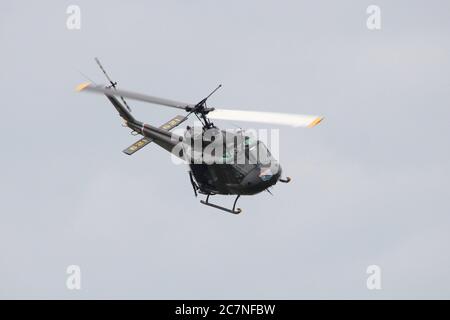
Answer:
(104, 72)
(113, 84)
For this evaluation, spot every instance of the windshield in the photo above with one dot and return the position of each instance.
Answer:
(245, 151)
(252, 151)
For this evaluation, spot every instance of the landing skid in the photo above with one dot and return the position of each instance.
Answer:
(233, 211)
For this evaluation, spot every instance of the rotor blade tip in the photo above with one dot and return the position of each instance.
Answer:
(82, 86)
(315, 122)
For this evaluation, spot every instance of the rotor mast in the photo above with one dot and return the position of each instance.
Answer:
(201, 110)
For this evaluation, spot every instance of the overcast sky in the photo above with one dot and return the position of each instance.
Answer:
(370, 184)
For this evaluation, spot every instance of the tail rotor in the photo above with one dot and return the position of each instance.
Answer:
(113, 84)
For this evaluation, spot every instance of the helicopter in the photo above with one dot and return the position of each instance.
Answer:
(239, 164)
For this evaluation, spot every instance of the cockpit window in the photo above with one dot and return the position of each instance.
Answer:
(245, 151)
(249, 141)
(264, 155)
(257, 152)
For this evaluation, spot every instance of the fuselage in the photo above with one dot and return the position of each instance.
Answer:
(221, 162)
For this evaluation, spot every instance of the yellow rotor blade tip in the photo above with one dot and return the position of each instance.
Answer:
(82, 86)
(315, 122)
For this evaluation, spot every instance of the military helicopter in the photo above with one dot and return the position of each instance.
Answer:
(226, 175)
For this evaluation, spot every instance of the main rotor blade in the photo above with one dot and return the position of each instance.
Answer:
(133, 95)
(295, 120)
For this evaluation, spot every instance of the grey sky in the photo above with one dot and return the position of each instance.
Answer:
(370, 184)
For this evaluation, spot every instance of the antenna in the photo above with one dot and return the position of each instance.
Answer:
(202, 104)
(113, 83)
(214, 91)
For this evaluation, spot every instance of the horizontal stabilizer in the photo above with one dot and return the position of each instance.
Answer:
(138, 145)
(169, 125)
(172, 123)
